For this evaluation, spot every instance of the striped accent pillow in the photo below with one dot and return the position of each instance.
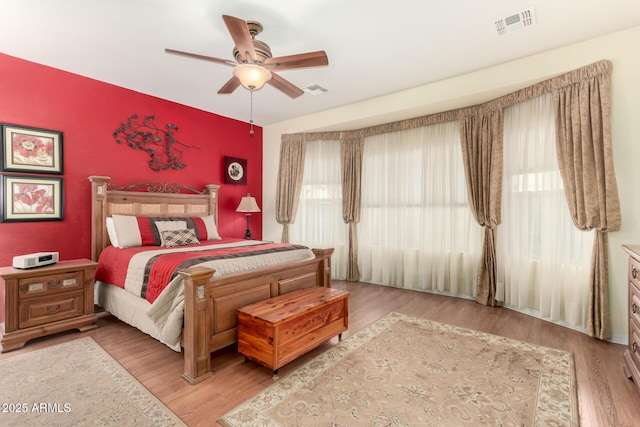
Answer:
(179, 237)
(204, 226)
(132, 231)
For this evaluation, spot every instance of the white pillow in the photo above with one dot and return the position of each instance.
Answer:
(127, 231)
(169, 226)
(111, 231)
(212, 230)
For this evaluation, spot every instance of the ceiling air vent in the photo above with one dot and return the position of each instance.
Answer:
(315, 89)
(519, 20)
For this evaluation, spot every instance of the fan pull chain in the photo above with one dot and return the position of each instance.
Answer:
(251, 114)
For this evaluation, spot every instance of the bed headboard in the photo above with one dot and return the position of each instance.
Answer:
(145, 199)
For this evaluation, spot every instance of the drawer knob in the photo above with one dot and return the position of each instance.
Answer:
(52, 309)
(634, 347)
(634, 307)
(634, 272)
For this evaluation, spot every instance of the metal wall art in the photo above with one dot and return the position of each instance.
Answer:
(165, 150)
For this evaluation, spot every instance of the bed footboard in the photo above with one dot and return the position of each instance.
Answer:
(210, 321)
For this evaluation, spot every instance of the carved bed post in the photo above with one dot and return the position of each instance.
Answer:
(98, 214)
(212, 190)
(324, 267)
(197, 325)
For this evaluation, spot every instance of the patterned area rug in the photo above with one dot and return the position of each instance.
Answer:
(405, 371)
(75, 384)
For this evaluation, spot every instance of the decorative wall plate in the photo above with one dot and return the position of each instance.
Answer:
(235, 171)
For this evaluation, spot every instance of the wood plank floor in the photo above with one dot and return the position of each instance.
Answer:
(606, 397)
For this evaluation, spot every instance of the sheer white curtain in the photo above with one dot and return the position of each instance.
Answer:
(543, 259)
(416, 229)
(319, 222)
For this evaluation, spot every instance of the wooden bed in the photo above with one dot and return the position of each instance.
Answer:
(210, 303)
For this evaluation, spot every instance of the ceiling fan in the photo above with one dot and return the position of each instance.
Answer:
(254, 65)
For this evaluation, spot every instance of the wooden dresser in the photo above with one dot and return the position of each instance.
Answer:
(278, 330)
(632, 354)
(45, 300)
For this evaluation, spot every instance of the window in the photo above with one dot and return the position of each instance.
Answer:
(319, 220)
(416, 228)
(543, 259)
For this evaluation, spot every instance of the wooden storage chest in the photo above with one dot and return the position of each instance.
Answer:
(278, 330)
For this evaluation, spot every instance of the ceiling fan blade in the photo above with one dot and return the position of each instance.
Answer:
(285, 86)
(241, 37)
(204, 57)
(301, 60)
(231, 85)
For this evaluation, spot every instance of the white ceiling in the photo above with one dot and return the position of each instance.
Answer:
(375, 47)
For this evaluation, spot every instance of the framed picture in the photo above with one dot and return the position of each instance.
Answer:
(31, 198)
(235, 171)
(32, 150)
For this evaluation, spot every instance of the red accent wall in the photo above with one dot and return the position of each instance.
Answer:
(88, 112)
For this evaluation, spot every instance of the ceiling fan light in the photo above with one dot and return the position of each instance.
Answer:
(252, 77)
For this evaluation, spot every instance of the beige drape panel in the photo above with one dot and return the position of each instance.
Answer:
(290, 171)
(585, 157)
(481, 139)
(351, 158)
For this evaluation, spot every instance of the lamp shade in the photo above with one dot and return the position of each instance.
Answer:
(252, 77)
(248, 204)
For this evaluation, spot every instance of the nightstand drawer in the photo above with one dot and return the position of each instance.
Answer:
(39, 311)
(64, 282)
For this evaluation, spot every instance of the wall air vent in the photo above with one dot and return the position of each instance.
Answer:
(315, 89)
(523, 19)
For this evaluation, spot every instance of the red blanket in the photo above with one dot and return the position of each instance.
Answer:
(162, 265)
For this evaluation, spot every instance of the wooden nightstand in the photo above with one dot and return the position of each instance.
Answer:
(45, 300)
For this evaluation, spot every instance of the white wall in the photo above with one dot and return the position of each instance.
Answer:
(481, 86)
